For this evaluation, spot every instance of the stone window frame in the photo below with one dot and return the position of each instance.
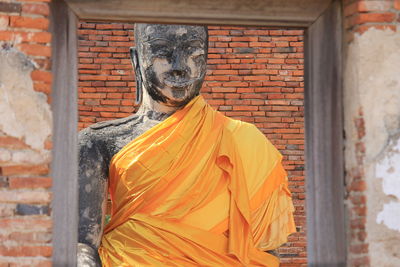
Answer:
(322, 22)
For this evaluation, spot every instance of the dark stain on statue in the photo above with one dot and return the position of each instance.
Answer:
(152, 88)
(173, 61)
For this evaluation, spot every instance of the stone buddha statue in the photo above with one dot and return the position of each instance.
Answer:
(189, 186)
(170, 65)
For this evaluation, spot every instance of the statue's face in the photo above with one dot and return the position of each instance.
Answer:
(172, 61)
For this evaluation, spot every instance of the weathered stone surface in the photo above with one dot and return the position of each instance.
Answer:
(372, 91)
(27, 114)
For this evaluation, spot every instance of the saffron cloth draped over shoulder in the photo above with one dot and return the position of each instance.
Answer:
(198, 189)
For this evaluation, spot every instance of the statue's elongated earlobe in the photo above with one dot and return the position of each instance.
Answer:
(138, 74)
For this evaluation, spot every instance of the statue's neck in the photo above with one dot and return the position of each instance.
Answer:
(153, 109)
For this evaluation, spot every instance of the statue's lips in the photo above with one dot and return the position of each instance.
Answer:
(178, 84)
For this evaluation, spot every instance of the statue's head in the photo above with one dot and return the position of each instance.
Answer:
(170, 61)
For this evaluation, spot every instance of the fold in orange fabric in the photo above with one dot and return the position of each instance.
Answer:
(198, 189)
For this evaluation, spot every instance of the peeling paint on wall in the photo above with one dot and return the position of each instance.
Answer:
(25, 113)
(388, 169)
(372, 84)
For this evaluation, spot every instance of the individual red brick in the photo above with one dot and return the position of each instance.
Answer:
(224, 89)
(397, 4)
(12, 143)
(36, 8)
(117, 38)
(293, 32)
(43, 76)
(351, 9)
(125, 102)
(86, 25)
(104, 108)
(114, 32)
(257, 32)
(374, 17)
(218, 32)
(107, 60)
(281, 44)
(245, 108)
(238, 44)
(26, 251)
(48, 143)
(87, 119)
(30, 182)
(363, 28)
(35, 49)
(93, 77)
(225, 72)
(6, 35)
(4, 21)
(257, 78)
(103, 49)
(240, 39)
(360, 261)
(128, 109)
(6, 210)
(296, 44)
(285, 38)
(109, 26)
(37, 37)
(261, 44)
(10, 7)
(358, 186)
(24, 169)
(21, 224)
(123, 44)
(237, 102)
(368, 6)
(28, 22)
(40, 197)
(43, 237)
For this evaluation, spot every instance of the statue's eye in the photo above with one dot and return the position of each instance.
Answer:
(196, 52)
(163, 52)
(160, 47)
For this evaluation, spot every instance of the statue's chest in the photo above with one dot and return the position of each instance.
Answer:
(122, 139)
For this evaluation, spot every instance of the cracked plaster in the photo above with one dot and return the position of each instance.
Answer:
(25, 113)
(372, 84)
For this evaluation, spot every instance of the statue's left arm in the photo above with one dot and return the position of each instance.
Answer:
(272, 206)
(92, 197)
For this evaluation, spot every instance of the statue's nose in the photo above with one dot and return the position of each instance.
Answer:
(178, 65)
(177, 73)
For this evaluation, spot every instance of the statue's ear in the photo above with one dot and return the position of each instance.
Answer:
(138, 74)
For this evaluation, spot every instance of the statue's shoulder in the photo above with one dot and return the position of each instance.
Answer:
(113, 124)
(247, 136)
(258, 155)
(107, 129)
(238, 128)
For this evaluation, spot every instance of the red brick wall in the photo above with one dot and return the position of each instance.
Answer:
(254, 74)
(359, 16)
(25, 222)
(106, 83)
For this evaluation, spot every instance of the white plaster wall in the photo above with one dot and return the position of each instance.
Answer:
(24, 113)
(372, 84)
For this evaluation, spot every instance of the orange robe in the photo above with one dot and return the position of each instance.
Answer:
(198, 189)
